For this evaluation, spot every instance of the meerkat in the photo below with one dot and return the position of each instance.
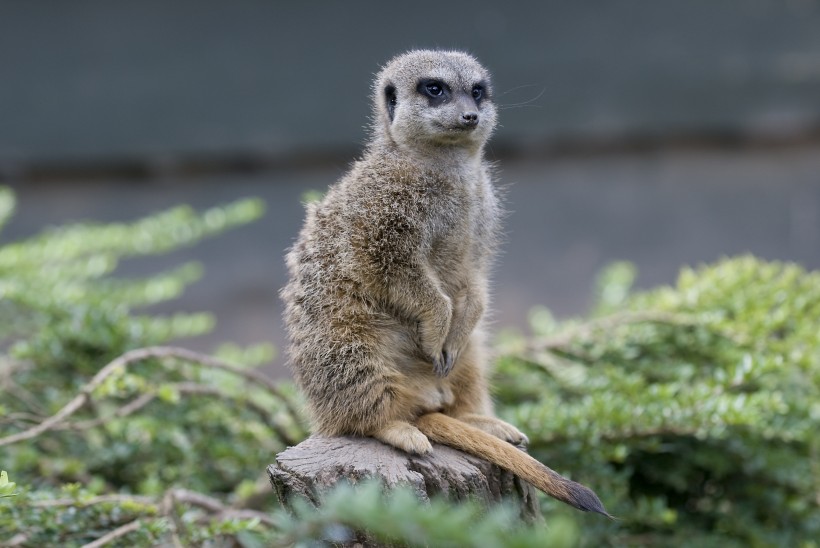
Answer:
(389, 277)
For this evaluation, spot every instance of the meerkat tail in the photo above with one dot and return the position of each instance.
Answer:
(452, 432)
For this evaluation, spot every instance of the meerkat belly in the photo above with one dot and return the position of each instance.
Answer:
(431, 393)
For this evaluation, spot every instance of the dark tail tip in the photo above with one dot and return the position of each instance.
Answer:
(584, 498)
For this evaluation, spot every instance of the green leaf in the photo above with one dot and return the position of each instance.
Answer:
(6, 487)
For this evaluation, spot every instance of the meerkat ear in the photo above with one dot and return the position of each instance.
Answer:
(390, 100)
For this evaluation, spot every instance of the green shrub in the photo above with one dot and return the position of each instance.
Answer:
(692, 410)
(160, 418)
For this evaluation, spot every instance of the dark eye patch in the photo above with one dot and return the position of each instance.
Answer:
(480, 91)
(436, 91)
(390, 100)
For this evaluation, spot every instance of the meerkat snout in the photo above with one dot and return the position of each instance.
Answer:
(469, 119)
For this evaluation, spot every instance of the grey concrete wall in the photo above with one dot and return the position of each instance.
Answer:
(92, 80)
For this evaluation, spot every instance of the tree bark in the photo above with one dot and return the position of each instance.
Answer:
(318, 463)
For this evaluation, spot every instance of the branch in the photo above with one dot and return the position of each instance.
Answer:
(81, 399)
(12, 418)
(215, 509)
(216, 363)
(214, 506)
(127, 409)
(115, 534)
(8, 386)
(92, 501)
(183, 388)
(136, 356)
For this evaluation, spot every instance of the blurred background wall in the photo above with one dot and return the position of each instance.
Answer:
(660, 132)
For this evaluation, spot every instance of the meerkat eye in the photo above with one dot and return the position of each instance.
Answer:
(478, 92)
(434, 89)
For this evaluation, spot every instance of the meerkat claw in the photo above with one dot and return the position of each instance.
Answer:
(440, 365)
(449, 361)
(443, 364)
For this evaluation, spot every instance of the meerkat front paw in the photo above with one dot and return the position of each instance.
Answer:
(497, 428)
(403, 435)
(432, 345)
(433, 331)
(443, 364)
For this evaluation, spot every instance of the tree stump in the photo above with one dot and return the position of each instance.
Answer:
(318, 463)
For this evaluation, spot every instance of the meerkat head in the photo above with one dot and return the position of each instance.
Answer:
(434, 98)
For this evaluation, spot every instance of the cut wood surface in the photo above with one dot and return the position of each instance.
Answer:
(318, 463)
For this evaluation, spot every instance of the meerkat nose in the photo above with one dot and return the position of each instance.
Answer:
(469, 119)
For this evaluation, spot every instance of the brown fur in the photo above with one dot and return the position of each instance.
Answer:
(389, 276)
(455, 433)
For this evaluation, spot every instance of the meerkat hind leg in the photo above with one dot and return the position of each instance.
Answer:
(403, 435)
(496, 427)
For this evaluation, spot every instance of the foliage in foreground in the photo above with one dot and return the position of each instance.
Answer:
(692, 410)
(157, 421)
